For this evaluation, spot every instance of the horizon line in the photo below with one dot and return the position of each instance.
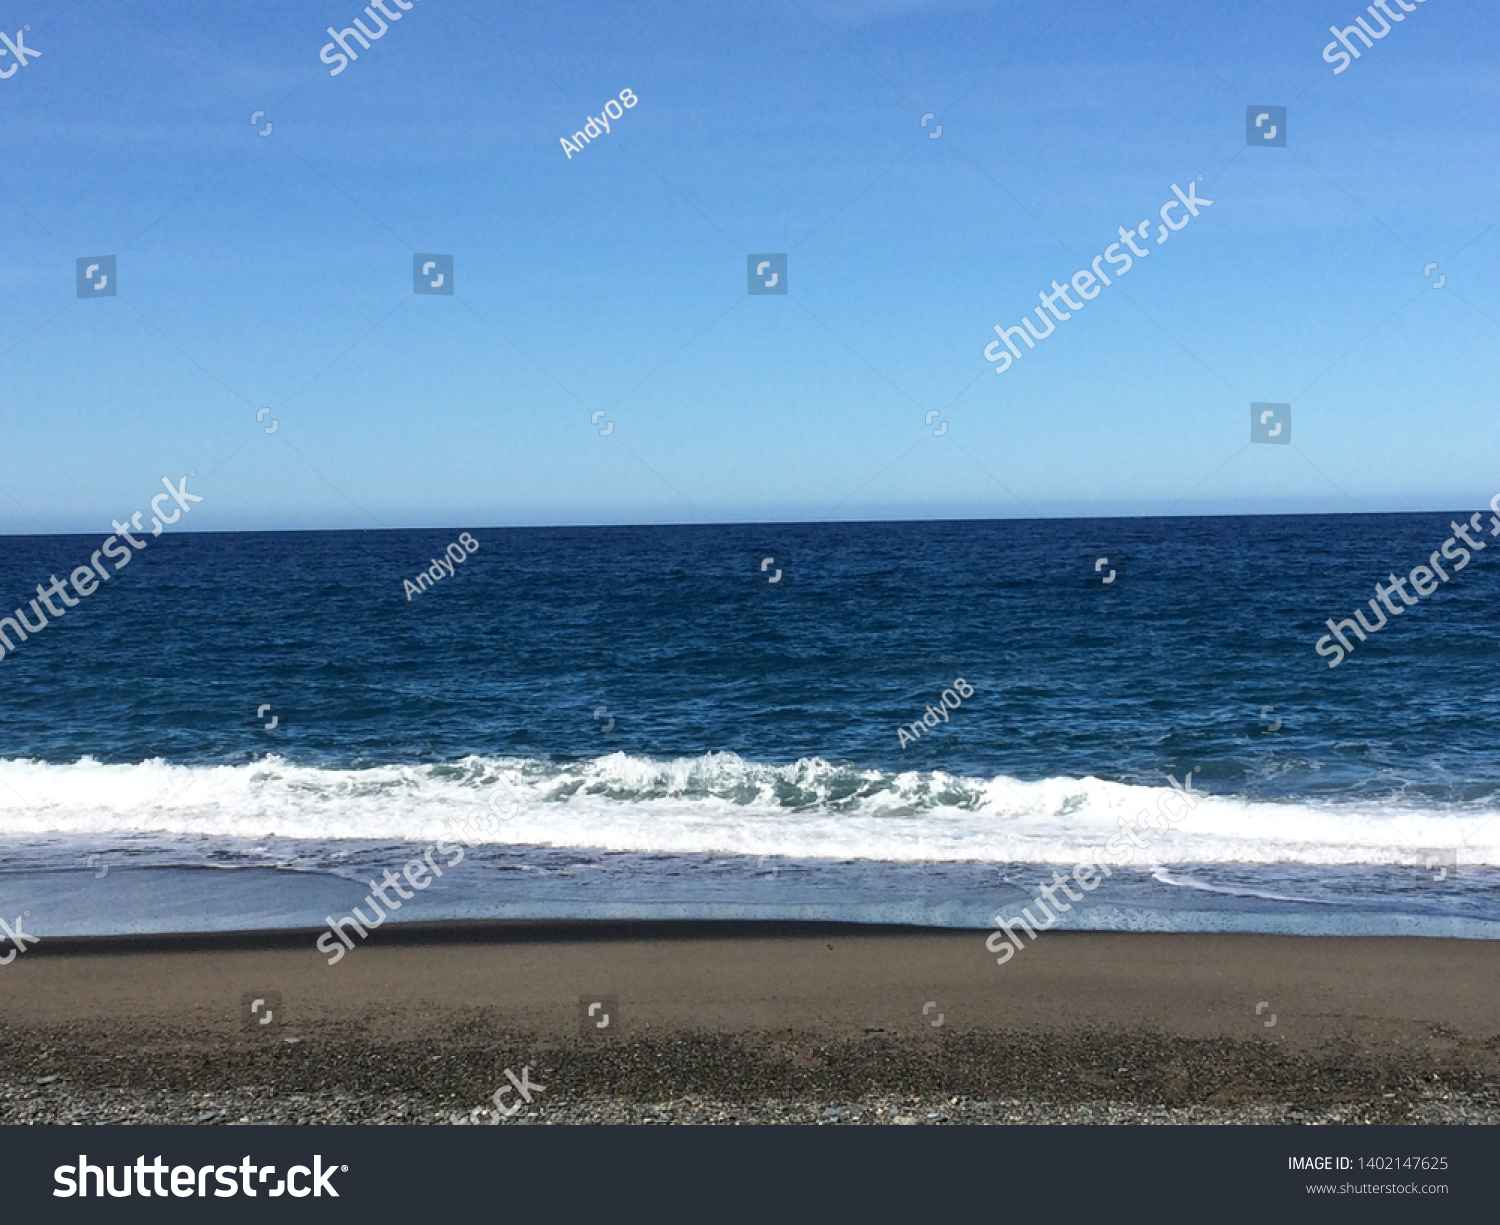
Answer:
(766, 523)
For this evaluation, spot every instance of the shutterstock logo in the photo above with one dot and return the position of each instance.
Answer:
(1089, 285)
(16, 937)
(19, 50)
(188, 1182)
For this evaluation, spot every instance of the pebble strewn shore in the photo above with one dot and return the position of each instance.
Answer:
(58, 1103)
(350, 1073)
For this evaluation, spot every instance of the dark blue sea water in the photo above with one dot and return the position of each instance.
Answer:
(671, 732)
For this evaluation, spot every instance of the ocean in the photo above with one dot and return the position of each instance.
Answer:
(691, 730)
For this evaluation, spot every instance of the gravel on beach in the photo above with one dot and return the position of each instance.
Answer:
(62, 1104)
(96, 1074)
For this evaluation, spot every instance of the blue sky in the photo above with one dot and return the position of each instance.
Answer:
(276, 271)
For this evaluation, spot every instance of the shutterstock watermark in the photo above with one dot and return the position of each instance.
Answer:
(1085, 874)
(1089, 285)
(1363, 31)
(503, 803)
(419, 873)
(360, 33)
(83, 578)
(17, 937)
(188, 1181)
(18, 48)
(1423, 580)
(523, 1085)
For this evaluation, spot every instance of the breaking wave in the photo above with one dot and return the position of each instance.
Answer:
(721, 803)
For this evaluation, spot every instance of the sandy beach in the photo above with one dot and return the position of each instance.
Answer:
(751, 1022)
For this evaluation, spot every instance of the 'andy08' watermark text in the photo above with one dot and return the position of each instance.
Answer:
(949, 699)
(598, 125)
(442, 567)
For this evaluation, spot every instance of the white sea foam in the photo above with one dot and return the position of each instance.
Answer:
(721, 803)
(1186, 882)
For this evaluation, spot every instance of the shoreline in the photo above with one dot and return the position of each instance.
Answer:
(139, 900)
